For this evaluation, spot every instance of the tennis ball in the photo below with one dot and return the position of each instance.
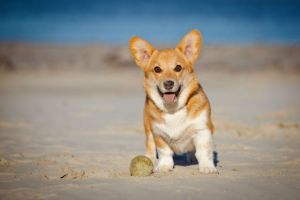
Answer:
(141, 166)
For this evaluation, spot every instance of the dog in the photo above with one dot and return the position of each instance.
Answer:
(177, 112)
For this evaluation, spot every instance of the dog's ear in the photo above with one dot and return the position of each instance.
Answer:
(190, 45)
(141, 51)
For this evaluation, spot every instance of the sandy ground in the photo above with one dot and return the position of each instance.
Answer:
(71, 135)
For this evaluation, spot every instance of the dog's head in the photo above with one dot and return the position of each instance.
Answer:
(167, 72)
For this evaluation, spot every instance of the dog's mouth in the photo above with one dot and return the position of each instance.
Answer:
(169, 97)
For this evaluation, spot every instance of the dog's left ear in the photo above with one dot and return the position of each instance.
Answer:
(190, 45)
(141, 51)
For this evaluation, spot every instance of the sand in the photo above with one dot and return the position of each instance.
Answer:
(69, 133)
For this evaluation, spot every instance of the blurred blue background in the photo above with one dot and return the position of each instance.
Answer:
(115, 21)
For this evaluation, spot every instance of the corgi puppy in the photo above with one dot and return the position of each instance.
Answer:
(177, 113)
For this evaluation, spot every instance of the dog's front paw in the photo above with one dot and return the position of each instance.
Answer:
(165, 164)
(164, 168)
(208, 168)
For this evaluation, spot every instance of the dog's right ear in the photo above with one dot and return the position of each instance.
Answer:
(141, 51)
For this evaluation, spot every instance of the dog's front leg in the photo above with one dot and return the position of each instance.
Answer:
(204, 151)
(150, 147)
(165, 155)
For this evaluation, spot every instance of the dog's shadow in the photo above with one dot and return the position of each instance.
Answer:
(190, 159)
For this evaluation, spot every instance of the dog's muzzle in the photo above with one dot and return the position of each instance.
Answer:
(169, 97)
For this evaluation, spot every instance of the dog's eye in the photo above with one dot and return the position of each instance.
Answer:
(177, 68)
(157, 69)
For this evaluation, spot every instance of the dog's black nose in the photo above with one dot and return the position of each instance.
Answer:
(168, 84)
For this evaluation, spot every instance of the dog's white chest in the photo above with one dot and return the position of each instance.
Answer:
(178, 129)
(174, 124)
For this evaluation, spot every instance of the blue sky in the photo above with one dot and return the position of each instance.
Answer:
(91, 21)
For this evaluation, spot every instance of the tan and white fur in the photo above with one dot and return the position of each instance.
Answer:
(177, 113)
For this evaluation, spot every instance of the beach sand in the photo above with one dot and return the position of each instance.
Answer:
(71, 121)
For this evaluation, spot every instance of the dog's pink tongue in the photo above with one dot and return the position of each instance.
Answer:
(169, 98)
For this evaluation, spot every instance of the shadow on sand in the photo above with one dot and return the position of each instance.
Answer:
(190, 159)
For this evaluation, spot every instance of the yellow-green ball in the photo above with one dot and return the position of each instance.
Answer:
(141, 166)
